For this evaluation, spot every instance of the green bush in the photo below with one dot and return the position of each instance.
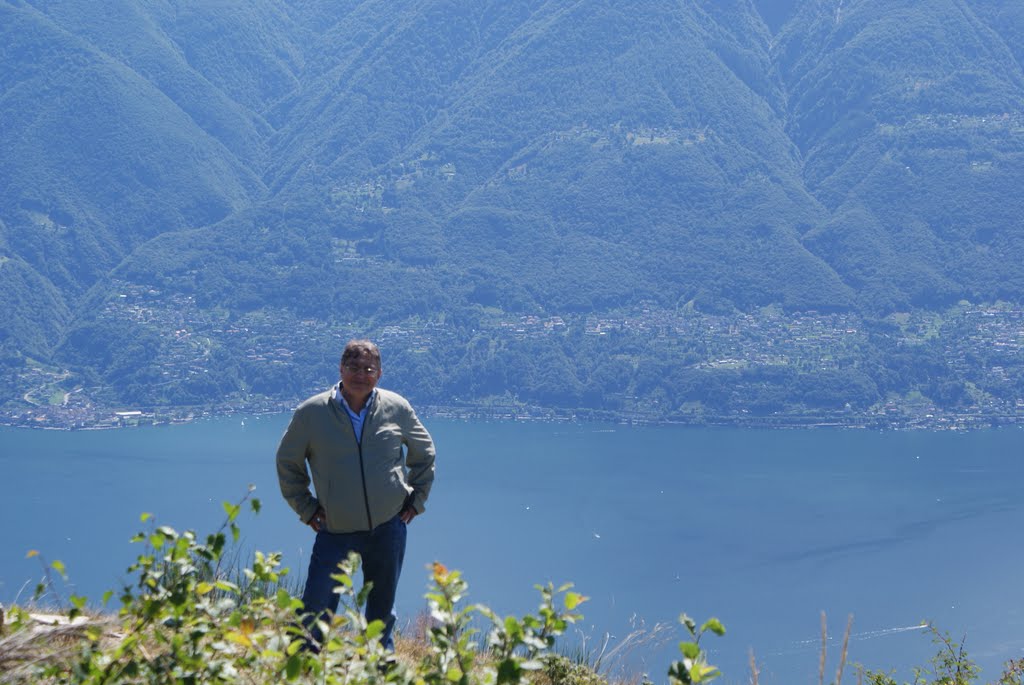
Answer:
(188, 617)
(191, 614)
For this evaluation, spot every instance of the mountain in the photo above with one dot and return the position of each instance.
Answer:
(302, 169)
(98, 158)
(908, 119)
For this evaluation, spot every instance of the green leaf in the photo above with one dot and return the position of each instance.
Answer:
(78, 601)
(255, 505)
(509, 671)
(232, 510)
(342, 578)
(678, 673)
(239, 639)
(364, 594)
(513, 630)
(573, 600)
(293, 667)
(106, 596)
(374, 629)
(145, 516)
(58, 566)
(714, 625)
(235, 532)
(689, 649)
(216, 543)
(204, 588)
(701, 673)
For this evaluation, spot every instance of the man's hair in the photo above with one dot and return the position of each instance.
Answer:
(354, 349)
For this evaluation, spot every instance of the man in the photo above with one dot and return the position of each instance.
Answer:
(351, 439)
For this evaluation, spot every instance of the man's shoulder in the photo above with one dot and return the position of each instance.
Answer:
(389, 398)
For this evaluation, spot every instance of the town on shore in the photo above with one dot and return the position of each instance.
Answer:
(891, 417)
(979, 349)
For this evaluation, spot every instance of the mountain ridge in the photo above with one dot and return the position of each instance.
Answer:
(524, 158)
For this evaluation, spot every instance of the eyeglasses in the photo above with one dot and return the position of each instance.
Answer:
(359, 368)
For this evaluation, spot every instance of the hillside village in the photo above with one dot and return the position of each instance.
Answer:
(980, 344)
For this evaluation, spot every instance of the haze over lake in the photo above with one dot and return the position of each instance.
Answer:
(763, 529)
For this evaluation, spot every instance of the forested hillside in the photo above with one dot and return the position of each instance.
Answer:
(670, 210)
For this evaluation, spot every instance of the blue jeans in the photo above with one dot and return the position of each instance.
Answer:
(382, 550)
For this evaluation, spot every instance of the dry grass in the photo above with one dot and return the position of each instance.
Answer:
(824, 647)
(47, 638)
(412, 645)
(842, 652)
(581, 667)
(755, 671)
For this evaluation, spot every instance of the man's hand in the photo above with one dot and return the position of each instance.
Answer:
(407, 514)
(319, 520)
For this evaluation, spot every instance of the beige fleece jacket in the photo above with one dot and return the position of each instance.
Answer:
(360, 486)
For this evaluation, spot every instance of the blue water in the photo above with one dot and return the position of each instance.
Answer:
(764, 529)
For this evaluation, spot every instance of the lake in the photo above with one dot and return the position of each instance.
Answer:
(764, 529)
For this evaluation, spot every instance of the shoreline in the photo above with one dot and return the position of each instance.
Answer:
(109, 418)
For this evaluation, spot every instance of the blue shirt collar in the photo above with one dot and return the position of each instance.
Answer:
(340, 399)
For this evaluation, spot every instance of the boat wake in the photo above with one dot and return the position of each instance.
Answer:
(834, 640)
(871, 634)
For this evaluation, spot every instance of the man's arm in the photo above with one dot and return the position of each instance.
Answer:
(419, 460)
(292, 472)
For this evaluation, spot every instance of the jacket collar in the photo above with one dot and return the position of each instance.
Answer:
(342, 404)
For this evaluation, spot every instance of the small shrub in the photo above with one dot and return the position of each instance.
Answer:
(560, 670)
(182, 620)
(190, 616)
(951, 666)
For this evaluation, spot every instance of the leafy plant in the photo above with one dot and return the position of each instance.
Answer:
(694, 667)
(951, 665)
(183, 620)
(189, 617)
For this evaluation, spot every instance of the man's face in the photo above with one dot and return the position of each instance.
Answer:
(360, 375)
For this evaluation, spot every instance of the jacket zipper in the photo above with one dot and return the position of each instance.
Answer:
(362, 468)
